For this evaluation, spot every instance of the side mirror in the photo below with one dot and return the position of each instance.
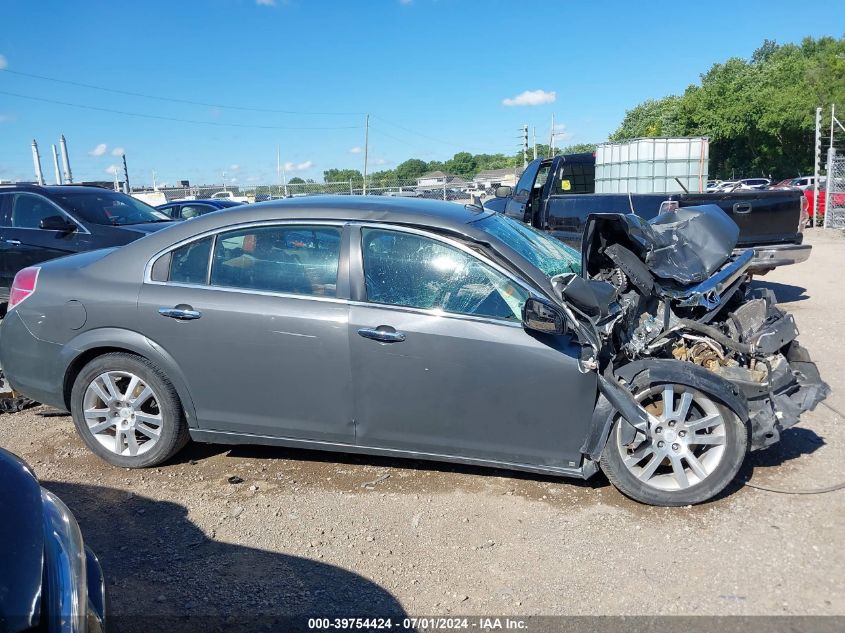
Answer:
(542, 316)
(504, 191)
(57, 223)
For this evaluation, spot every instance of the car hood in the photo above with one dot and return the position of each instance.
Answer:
(145, 228)
(21, 545)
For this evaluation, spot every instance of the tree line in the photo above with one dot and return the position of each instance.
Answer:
(462, 164)
(759, 113)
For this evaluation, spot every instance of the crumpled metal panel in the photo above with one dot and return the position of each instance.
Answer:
(685, 245)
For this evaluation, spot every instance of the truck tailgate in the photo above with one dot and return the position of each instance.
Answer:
(763, 217)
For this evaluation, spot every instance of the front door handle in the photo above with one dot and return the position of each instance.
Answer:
(383, 333)
(13, 242)
(742, 207)
(181, 312)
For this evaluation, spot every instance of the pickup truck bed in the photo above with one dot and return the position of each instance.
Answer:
(769, 220)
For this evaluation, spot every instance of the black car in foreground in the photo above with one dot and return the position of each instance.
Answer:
(187, 209)
(49, 580)
(39, 223)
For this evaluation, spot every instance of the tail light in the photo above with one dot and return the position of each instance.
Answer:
(23, 285)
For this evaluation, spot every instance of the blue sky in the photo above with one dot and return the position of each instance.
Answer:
(435, 76)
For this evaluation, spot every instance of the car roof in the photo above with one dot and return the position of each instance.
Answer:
(54, 188)
(432, 214)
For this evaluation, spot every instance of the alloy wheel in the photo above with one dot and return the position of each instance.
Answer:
(122, 413)
(686, 442)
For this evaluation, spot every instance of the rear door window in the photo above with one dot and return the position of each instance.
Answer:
(300, 260)
(29, 209)
(189, 263)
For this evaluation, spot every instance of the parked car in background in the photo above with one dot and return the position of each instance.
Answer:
(712, 185)
(442, 331)
(726, 185)
(838, 200)
(49, 579)
(230, 195)
(803, 183)
(403, 192)
(38, 223)
(755, 183)
(187, 209)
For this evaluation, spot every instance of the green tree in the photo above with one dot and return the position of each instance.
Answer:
(462, 164)
(296, 180)
(411, 168)
(342, 175)
(759, 113)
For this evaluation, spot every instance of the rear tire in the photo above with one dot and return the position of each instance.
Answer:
(697, 446)
(127, 411)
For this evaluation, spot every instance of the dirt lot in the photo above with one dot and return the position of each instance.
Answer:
(320, 534)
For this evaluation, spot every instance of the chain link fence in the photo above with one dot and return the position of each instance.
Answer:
(834, 189)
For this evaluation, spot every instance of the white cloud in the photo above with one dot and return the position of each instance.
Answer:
(356, 150)
(234, 167)
(112, 169)
(299, 166)
(531, 98)
(4, 63)
(100, 150)
(381, 161)
(118, 151)
(6, 118)
(266, 3)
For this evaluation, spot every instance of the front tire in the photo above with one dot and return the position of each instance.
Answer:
(127, 411)
(695, 448)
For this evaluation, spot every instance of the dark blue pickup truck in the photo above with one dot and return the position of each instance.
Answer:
(558, 194)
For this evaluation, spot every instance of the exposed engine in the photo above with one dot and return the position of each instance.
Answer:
(673, 289)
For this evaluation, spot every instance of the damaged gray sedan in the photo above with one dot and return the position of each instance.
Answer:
(421, 329)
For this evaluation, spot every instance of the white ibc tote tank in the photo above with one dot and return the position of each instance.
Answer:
(650, 165)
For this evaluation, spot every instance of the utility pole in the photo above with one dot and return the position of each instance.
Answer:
(56, 166)
(552, 137)
(36, 163)
(832, 119)
(524, 146)
(125, 173)
(366, 152)
(535, 142)
(816, 159)
(155, 187)
(279, 168)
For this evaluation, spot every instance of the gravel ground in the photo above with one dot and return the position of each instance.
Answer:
(325, 534)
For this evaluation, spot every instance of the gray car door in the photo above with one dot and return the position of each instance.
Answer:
(256, 319)
(442, 365)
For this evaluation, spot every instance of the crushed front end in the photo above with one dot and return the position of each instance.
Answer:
(680, 293)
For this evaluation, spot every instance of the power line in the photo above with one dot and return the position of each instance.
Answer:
(80, 84)
(175, 119)
(420, 134)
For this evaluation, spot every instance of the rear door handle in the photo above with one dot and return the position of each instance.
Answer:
(13, 242)
(180, 313)
(383, 333)
(742, 207)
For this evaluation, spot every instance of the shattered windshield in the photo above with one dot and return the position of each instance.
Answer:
(548, 254)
